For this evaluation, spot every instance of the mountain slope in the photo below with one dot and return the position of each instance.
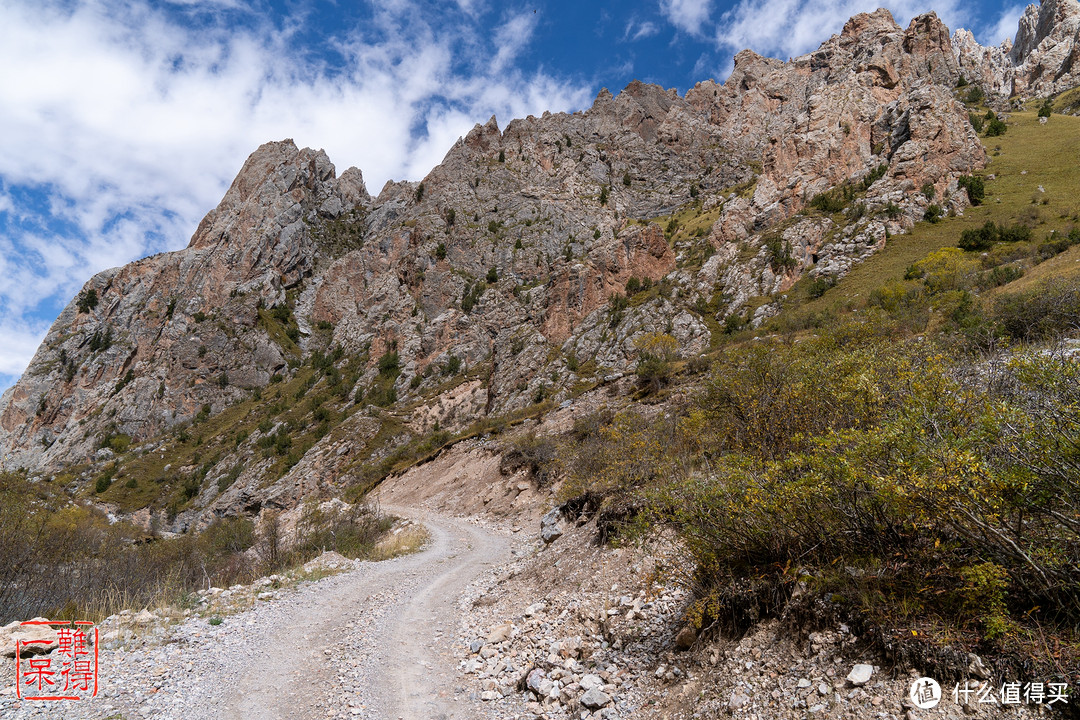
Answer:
(504, 258)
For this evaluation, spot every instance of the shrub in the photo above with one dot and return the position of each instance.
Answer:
(1046, 109)
(1040, 313)
(779, 253)
(656, 353)
(389, 363)
(617, 305)
(1014, 233)
(819, 285)
(995, 128)
(828, 202)
(633, 286)
(492, 276)
(502, 159)
(440, 251)
(733, 323)
(382, 396)
(419, 192)
(101, 340)
(603, 194)
(128, 377)
(977, 239)
(975, 95)
(933, 213)
(626, 179)
(976, 190)
(537, 454)
(873, 176)
(104, 482)
(471, 295)
(976, 122)
(1001, 275)
(88, 300)
(453, 365)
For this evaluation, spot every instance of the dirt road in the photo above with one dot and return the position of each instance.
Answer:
(385, 629)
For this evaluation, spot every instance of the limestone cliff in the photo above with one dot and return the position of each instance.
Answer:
(1040, 61)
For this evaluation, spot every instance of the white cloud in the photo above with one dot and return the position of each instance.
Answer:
(637, 31)
(511, 38)
(789, 28)
(687, 15)
(21, 340)
(1005, 27)
(132, 126)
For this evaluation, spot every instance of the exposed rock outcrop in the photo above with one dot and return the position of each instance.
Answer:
(1042, 60)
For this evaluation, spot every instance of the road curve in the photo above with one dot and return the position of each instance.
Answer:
(391, 623)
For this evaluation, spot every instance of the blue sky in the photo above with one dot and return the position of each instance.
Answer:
(123, 121)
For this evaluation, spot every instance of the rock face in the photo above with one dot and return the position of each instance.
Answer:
(498, 269)
(1042, 60)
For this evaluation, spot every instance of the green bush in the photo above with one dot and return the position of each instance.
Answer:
(779, 253)
(976, 239)
(828, 202)
(656, 355)
(819, 286)
(389, 363)
(1001, 275)
(1041, 313)
(617, 305)
(974, 186)
(996, 127)
(88, 300)
(101, 340)
(897, 481)
(453, 365)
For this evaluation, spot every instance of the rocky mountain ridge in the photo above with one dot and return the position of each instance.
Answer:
(1040, 61)
(532, 263)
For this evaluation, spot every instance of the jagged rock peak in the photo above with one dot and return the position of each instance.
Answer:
(1042, 59)
(878, 22)
(1051, 19)
(274, 176)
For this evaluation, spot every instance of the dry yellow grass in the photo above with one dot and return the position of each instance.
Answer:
(408, 540)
